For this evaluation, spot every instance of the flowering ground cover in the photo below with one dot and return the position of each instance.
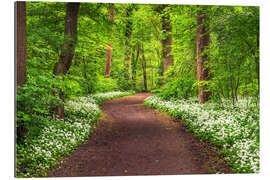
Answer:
(234, 128)
(59, 138)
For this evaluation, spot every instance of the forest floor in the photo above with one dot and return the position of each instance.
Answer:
(132, 139)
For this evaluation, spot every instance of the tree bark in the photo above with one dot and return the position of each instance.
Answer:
(20, 43)
(84, 69)
(127, 50)
(67, 49)
(257, 60)
(109, 51)
(144, 70)
(167, 42)
(134, 65)
(203, 40)
(108, 61)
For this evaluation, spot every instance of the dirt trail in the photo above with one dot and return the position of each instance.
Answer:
(132, 139)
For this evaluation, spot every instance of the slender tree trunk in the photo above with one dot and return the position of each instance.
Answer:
(160, 68)
(203, 40)
(76, 61)
(166, 43)
(134, 65)
(109, 51)
(144, 70)
(84, 69)
(67, 49)
(108, 61)
(20, 42)
(85, 74)
(232, 89)
(127, 50)
(257, 61)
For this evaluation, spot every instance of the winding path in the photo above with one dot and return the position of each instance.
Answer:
(132, 139)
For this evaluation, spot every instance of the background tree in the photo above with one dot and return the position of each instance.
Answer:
(67, 49)
(128, 32)
(203, 41)
(109, 51)
(167, 39)
(20, 43)
(235, 52)
(143, 60)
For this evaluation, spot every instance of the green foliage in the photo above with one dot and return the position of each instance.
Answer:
(72, 86)
(184, 38)
(234, 51)
(178, 88)
(33, 103)
(234, 45)
(106, 84)
(250, 89)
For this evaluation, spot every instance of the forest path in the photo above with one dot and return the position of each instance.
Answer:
(132, 139)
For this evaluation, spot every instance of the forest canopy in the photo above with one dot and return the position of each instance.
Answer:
(152, 45)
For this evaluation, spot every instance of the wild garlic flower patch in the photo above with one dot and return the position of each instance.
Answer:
(236, 129)
(60, 137)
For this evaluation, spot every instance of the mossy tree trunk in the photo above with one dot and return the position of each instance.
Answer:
(167, 41)
(128, 49)
(67, 49)
(109, 51)
(203, 41)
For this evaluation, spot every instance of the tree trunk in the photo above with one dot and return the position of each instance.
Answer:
(109, 51)
(257, 61)
(134, 65)
(166, 43)
(84, 69)
(20, 42)
(67, 49)
(203, 40)
(108, 61)
(127, 50)
(144, 70)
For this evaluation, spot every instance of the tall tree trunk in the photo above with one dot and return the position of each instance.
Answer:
(85, 74)
(160, 68)
(167, 42)
(67, 49)
(257, 60)
(134, 65)
(144, 70)
(20, 42)
(84, 69)
(203, 40)
(109, 51)
(127, 50)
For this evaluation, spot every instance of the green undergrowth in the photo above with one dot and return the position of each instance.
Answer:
(58, 138)
(234, 128)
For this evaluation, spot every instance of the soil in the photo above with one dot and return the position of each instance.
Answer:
(132, 139)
